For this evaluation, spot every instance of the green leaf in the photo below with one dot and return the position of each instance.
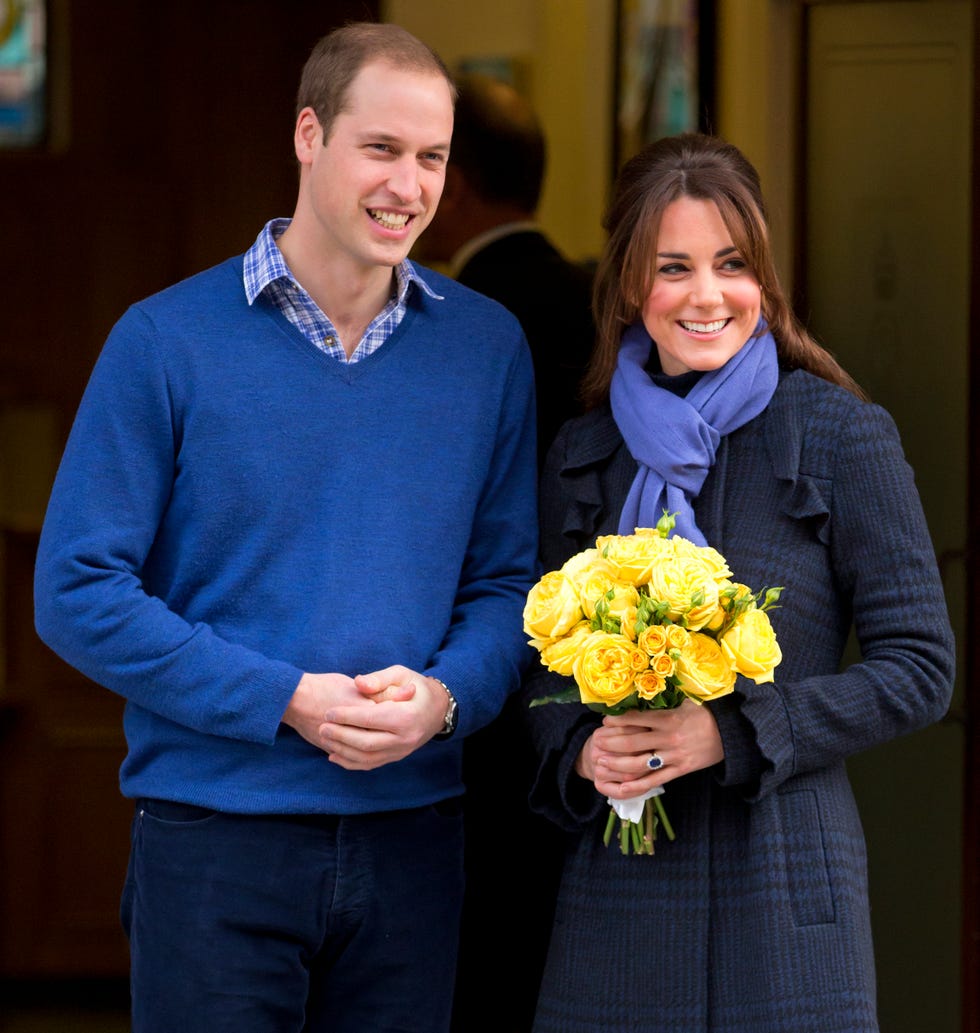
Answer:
(570, 695)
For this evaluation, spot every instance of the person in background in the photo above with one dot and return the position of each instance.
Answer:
(707, 397)
(486, 231)
(308, 592)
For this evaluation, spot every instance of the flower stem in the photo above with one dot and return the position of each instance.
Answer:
(668, 828)
(650, 830)
(610, 822)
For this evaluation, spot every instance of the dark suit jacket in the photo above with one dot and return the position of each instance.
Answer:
(552, 299)
(755, 918)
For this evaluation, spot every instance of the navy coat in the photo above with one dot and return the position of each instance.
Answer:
(755, 919)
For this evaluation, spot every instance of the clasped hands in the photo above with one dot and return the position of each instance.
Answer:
(616, 757)
(369, 720)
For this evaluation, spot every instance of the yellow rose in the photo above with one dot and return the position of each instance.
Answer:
(627, 622)
(662, 665)
(653, 639)
(552, 607)
(703, 670)
(633, 556)
(712, 559)
(676, 637)
(623, 604)
(730, 594)
(688, 587)
(581, 561)
(751, 647)
(605, 668)
(558, 655)
(591, 576)
(649, 684)
(596, 583)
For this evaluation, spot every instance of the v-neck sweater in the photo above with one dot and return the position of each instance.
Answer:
(234, 508)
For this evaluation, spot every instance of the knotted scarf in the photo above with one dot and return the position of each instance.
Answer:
(675, 439)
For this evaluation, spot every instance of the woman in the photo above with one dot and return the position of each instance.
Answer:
(706, 397)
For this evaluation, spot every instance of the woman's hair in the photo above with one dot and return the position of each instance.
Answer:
(340, 55)
(708, 169)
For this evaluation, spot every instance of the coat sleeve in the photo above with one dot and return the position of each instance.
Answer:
(878, 578)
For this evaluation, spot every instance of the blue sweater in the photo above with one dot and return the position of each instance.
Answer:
(234, 508)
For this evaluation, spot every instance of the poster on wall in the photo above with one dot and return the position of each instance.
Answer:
(660, 71)
(23, 69)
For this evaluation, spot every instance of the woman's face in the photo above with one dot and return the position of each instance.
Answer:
(704, 302)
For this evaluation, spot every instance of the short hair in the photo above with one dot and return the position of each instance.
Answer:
(337, 58)
(706, 168)
(498, 142)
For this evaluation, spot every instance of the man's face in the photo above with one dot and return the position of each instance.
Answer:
(376, 183)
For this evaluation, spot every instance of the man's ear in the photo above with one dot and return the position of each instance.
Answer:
(307, 136)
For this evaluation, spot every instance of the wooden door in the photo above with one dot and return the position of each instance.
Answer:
(889, 132)
(170, 146)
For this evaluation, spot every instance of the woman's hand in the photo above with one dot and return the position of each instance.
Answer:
(631, 753)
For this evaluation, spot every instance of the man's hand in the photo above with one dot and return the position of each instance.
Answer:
(314, 696)
(397, 711)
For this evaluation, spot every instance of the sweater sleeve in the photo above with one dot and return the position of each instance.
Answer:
(485, 651)
(91, 604)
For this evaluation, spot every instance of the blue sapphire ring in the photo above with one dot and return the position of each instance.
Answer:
(654, 762)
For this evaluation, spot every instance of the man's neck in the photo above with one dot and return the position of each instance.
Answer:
(350, 295)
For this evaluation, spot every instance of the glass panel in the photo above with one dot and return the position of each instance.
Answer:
(658, 72)
(23, 70)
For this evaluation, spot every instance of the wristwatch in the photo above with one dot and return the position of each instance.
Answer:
(452, 714)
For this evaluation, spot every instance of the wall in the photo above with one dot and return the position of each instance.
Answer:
(564, 54)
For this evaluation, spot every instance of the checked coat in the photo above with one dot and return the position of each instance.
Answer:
(755, 919)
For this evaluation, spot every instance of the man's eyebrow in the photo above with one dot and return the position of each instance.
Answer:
(382, 137)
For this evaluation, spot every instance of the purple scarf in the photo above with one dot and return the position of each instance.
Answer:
(675, 439)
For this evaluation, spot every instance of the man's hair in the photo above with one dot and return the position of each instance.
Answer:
(498, 142)
(337, 58)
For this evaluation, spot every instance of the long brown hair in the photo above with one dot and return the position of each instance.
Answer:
(709, 169)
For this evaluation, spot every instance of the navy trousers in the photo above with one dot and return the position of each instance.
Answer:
(286, 924)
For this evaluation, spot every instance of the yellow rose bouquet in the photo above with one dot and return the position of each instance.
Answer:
(643, 622)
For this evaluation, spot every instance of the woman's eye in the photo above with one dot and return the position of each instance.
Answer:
(734, 265)
(672, 269)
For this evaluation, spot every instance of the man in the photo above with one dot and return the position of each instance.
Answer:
(294, 526)
(486, 231)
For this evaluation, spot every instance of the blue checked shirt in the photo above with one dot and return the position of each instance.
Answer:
(266, 273)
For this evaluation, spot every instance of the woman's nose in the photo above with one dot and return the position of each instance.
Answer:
(706, 291)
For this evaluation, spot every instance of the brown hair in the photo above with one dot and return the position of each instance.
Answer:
(340, 55)
(706, 168)
(498, 142)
